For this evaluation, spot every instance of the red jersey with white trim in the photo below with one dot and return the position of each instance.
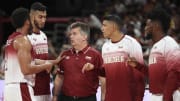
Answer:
(121, 80)
(13, 72)
(40, 51)
(158, 63)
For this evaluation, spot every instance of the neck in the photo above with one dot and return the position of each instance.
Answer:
(22, 31)
(157, 36)
(117, 36)
(80, 47)
(35, 29)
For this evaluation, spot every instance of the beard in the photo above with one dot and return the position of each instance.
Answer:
(30, 28)
(148, 36)
(37, 25)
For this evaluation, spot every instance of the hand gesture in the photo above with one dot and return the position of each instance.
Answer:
(87, 67)
(59, 58)
(131, 61)
(49, 66)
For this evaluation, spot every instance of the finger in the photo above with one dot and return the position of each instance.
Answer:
(84, 68)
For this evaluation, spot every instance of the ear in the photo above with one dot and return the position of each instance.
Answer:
(27, 22)
(114, 27)
(85, 37)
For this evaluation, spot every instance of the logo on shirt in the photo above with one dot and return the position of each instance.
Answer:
(34, 39)
(88, 58)
(120, 46)
(155, 47)
(152, 60)
(67, 57)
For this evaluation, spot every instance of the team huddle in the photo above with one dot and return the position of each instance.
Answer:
(119, 68)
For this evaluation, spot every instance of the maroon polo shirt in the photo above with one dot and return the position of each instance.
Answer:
(75, 82)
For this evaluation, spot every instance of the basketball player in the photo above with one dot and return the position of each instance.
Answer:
(121, 79)
(157, 24)
(39, 43)
(18, 66)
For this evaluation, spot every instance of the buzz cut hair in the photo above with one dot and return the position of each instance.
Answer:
(160, 15)
(37, 6)
(19, 16)
(115, 19)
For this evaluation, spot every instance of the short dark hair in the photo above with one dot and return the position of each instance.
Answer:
(114, 18)
(83, 26)
(160, 15)
(19, 16)
(38, 6)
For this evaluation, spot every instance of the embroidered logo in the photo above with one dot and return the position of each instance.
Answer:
(88, 58)
(34, 39)
(67, 57)
(120, 46)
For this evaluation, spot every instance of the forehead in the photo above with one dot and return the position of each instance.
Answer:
(75, 29)
(107, 22)
(44, 13)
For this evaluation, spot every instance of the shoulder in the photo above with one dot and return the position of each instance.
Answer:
(66, 52)
(129, 38)
(107, 42)
(21, 42)
(168, 43)
(42, 33)
(95, 51)
(170, 40)
(132, 41)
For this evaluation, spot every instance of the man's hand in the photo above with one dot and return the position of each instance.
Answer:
(59, 58)
(131, 61)
(49, 66)
(87, 67)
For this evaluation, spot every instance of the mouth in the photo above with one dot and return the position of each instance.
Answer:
(72, 41)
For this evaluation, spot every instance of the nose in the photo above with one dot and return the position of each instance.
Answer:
(102, 28)
(43, 19)
(70, 36)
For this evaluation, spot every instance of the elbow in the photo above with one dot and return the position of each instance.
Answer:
(25, 71)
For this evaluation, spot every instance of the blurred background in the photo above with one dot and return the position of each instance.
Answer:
(63, 12)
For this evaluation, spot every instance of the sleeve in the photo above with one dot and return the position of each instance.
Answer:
(101, 72)
(170, 85)
(98, 61)
(143, 68)
(136, 52)
(172, 62)
(99, 65)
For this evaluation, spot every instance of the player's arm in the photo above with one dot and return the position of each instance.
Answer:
(57, 86)
(56, 61)
(103, 87)
(136, 59)
(23, 48)
(171, 84)
(131, 61)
